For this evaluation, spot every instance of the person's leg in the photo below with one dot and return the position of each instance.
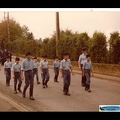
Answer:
(15, 83)
(82, 78)
(26, 83)
(47, 77)
(37, 77)
(20, 83)
(87, 85)
(43, 78)
(31, 85)
(68, 82)
(65, 82)
(9, 76)
(57, 74)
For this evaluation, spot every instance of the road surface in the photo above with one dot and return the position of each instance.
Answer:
(104, 92)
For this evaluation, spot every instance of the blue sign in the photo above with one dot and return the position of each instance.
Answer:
(109, 108)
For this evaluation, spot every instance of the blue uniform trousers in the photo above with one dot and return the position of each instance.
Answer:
(8, 75)
(29, 81)
(87, 75)
(45, 76)
(35, 72)
(17, 78)
(56, 69)
(83, 80)
(66, 80)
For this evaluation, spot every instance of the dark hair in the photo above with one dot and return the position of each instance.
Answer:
(88, 55)
(7, 57)
(84, 48)
(56, 57)
(17, 59)
(28, 53)
(44, 56)
(66, 53)
(35, 58)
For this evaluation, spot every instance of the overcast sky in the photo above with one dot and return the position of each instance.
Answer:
(43, 23)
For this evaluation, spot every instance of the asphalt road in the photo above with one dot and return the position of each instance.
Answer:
(104, 92)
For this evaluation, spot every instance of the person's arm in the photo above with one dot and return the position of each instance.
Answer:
(12, 70)
(61, 73)
(79, 62)
(71, 70)
(61, 69)
(4, 69)
(83, 69)
(53, 66)
(41, 68)
(22, 70)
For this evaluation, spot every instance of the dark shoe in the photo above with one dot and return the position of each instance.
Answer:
(20, 90)
(38, 82)
(89, 90)
(46, 85)
(54, 80)
(15, 92)
(24, 96)
(83, 85)
(86, 88)
(43, 86)
(31, 98)
(68, 94)
(64, 93)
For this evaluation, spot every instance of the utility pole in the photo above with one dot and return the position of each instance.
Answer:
(8, 26)
(57, 32)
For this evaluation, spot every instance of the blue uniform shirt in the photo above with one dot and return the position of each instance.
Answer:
(16, 67)
(27, 64)
(44, 64)
(82, 58)
(8, 64)
(56, 64)
(65, 64)
(87, 65)
(35, 64)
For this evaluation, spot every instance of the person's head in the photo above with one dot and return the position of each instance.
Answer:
(56, 58)
(88, 57)
(66, 55)
(28, 55)
(84, 50)
(45, 57)
(35, 59)
(17, 59)
(41, 57)
(8, 58)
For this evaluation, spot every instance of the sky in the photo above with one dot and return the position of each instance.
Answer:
(43, 23)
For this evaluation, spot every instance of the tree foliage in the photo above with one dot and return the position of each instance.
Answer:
(114, 51)
(22, 40)
(98, 47)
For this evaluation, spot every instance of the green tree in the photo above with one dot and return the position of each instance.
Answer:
(15, 30)
(114, 51)
(98, 47)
